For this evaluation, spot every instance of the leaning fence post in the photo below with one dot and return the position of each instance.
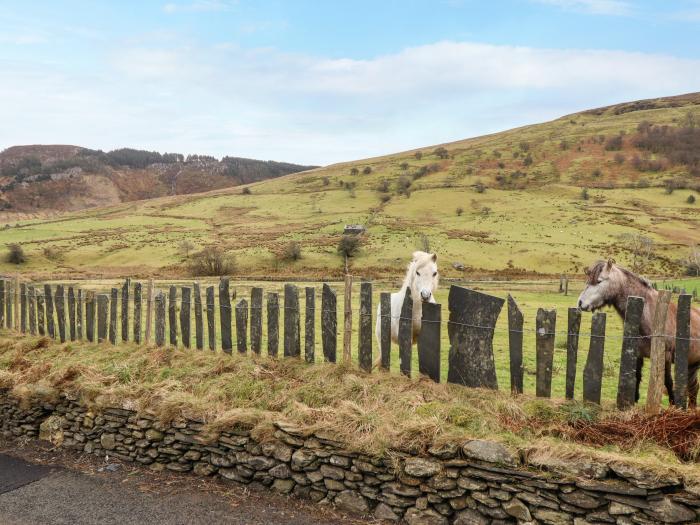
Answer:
(71, 313)
(545, 323)
(273, 324)
(242, 326)
(211, 319)
(198, 321)
(329, 323)
(172, 315)
(347, 319)
(364, 350)
(31, 300)
(90, 316)
(572, 335)
(515, 346)
(385, 331)
(682, 350)
(429, 342)
(627, 383)
(113, 314)
(50, 326)
(40, 314)
(406, 334)
(292, 341)
(658, 353)
(593, 371)
(79, 315)
(225, 315)
(61, 312)
(149, 311)
(2, 303)
(102, 307)
(256, 319)
(310, 325)
(185, 315)
(138, 303)
(23, 308)
(125, 309)
(473, 317)
(160, 318)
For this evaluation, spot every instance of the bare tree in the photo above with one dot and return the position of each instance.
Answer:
(186, 247)
(641, 248)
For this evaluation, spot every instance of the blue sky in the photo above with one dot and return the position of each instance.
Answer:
(326, 81)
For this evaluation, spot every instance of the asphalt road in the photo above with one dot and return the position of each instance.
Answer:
(33, 493)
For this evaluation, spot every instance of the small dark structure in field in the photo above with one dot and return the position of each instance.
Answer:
(354, 229)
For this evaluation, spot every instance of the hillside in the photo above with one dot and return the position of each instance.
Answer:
(619, 181)
(40, 178)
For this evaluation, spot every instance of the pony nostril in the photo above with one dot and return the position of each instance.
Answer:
(580, 304)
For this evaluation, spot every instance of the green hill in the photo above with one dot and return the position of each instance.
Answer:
(544, 199)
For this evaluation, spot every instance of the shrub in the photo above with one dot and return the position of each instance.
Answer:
(460, 211)
(614, 143)
(479, 187)
(52, 253)
(525, 146)
(291, 251)
(418, 155)
(354, 171)
(403, 186)
(246, 191)
(404, 166)
(690, 199)
(211, 262)
(619, 158)
(384, 198)
(383, 186)
(501, 165)
(527, 161)
(643, 183)
(563, 145)
(584, 194)
(15, 254)
(367, 170)
(349, 246)
(186, 247)
(441, 153)
(597, 173)
(325, 181)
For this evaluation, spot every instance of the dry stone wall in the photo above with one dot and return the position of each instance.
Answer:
(479, 482)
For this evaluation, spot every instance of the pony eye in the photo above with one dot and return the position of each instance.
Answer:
(434, 274)
(418, 273)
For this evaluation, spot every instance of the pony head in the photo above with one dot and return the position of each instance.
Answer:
(603, 281)
(424, 275)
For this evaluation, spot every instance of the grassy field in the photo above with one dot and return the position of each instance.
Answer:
(530, 219)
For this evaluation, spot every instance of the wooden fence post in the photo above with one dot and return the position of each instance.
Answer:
(225, 315)
(545, 324)
(658, 353)
(71, 313)
(273, 324)
(61, 312)
(292, 340)
(211, 319)
(572, 336)
(149, 311)
(3, 292)
(198, 321)
(385, 330)
(172, 315)
(23, 308)
(90, 316)
(515, 346)
(682, 350)
(8, 304)
(405, 338)
(364, 349)
(185, 308)
(256, 320)
(16, 303)
(40, 314)
(347, 317)
(79, 315)
(566, 285)
(50, 326)
(473, 317)
(561, 283)
(429, 342)
(627, 383)
(329, 323)
(113, 315)
(242, 326)
(138, 303)
(102, 307)
(593, 371)
(31, 299)
(125, 309)
(310, 325)
(160, 318)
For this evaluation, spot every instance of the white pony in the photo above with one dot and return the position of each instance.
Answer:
(422, 279)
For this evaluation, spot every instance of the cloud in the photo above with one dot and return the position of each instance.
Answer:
(224, 99)
(200, 6)
(593, 7)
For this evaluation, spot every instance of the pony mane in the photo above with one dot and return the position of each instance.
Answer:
(594, 272)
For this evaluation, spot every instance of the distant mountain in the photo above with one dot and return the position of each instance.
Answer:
(62, 178)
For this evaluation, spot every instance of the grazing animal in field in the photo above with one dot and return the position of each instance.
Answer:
(608, 284)
(422, 279)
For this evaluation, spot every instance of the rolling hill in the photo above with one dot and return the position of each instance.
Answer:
(39, 179)
(619, 181)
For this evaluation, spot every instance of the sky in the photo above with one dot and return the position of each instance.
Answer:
(318, 82)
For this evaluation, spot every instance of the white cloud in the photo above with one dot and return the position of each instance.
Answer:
(264, 103)
(594, 7)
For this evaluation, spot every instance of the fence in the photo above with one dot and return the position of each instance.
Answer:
(71, 313)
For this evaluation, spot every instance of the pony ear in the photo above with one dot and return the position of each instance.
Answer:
(435, 257)
(611, 261)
